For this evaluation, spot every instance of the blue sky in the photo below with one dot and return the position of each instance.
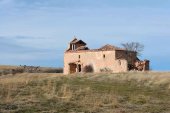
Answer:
(36, 32)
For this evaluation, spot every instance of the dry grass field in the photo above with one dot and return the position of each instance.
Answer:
(4, 67)
(132, 92)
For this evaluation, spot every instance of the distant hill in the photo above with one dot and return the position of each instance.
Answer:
(7, 69)
(3, 67)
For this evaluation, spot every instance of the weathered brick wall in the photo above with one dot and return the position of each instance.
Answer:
(147, 67)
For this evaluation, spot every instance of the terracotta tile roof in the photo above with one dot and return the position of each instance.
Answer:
(110, 47)
(86, 49)
(79, 51)
(104, 48)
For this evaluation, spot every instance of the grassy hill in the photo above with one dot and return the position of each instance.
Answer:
(88, 93)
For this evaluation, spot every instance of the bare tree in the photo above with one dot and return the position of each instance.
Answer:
(134, 46)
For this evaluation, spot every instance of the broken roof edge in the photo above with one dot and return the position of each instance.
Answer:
(75, 40)
(90, 50)
(110, 47)
(106, 47)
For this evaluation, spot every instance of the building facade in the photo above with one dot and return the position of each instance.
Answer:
(79, 58)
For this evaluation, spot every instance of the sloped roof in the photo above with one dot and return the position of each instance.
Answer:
(82, 48)
(75, 40)
(110, 47)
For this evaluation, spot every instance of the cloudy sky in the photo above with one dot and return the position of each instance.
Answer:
(36, 32)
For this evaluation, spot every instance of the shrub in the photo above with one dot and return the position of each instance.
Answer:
(88, 69)
(15, 71)
(5, 72)
(59, 70)
(52, 70)
(105, 70)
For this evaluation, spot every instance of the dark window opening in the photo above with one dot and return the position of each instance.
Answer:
(79, 56)
(104, 56)
(79, 68)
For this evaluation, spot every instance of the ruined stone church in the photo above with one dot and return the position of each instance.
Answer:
(79, 58)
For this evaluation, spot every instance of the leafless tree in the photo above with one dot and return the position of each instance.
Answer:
(134, 46)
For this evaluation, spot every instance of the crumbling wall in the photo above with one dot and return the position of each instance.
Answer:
(142, 65)
(130, 56)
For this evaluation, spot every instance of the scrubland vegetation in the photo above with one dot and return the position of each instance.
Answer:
(5, 70)
(147, 92)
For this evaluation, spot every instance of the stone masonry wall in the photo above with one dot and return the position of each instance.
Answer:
(98, 59)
